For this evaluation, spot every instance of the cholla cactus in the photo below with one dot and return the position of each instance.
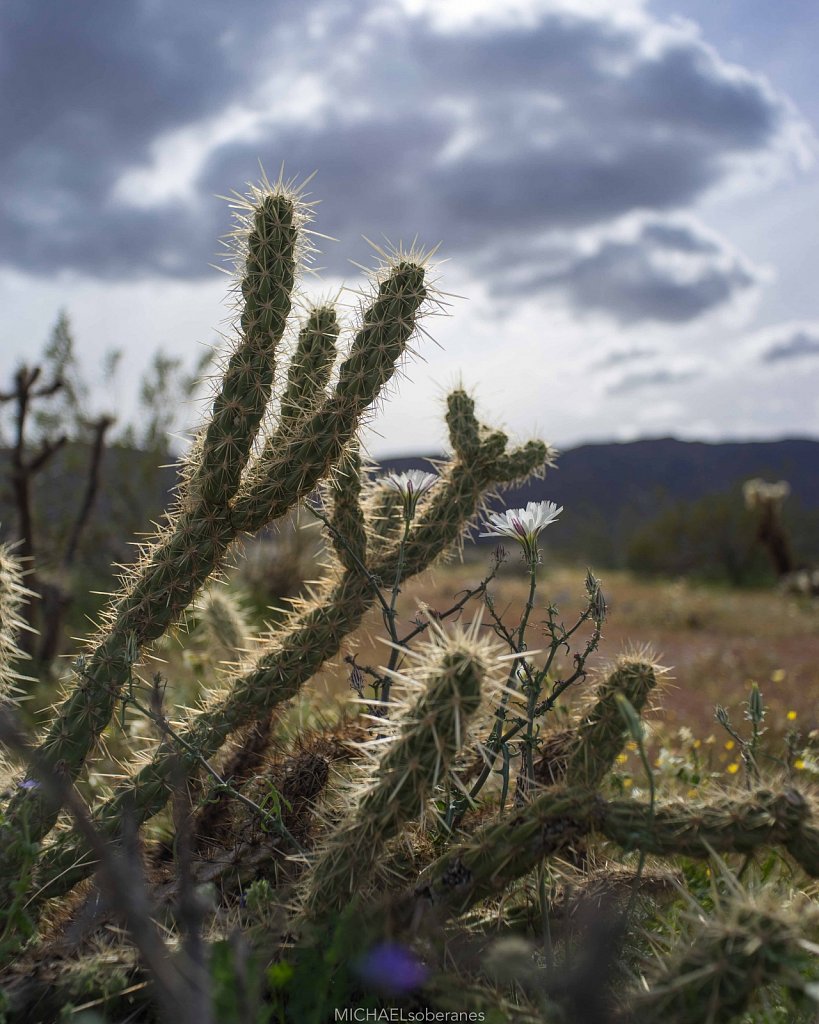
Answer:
(602, 733)
(714, 977)
(765, 500)
(314, 631)
(759, 492)
(446, 686)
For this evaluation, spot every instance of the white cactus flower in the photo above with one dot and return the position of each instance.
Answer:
(523, 524)
(411, 485)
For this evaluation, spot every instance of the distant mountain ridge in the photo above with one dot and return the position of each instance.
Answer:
(682, 470)
(609, 490)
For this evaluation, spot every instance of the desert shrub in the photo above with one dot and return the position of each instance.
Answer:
(712, 539)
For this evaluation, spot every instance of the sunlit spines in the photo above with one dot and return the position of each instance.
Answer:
(602, 733)
(445, 681)
(13, 594)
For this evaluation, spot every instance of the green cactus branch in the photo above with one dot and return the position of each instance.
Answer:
(349, 528)
(601, 734)
(729, 825)
(494, 857)
(309, 371)
(497, 855)
(267, 282)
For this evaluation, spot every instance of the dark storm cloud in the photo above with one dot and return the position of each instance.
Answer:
(664, 271)
(480, 138)
(86, 92)
(652, 379)
(800, 344)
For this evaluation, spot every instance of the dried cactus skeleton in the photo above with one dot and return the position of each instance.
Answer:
(246, 468)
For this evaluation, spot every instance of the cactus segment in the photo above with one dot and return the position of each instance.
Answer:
(309, 371)
(403, 779)
(13, 594)
(714, 977)
(266, 286)
(349, 531)
(602, 733)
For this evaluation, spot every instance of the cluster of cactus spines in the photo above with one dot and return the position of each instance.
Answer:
(447, 680)
(313, 632)
(13, 593)
(223, 620)
(601, 734)
(728, 958)
(212, 513)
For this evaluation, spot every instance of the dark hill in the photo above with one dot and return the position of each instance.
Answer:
(608, 490)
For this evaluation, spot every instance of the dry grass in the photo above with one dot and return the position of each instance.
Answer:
(714, 641)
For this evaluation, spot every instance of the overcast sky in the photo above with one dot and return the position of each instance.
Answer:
(627, 203)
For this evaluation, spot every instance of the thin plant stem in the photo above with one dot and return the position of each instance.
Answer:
(389, 615)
